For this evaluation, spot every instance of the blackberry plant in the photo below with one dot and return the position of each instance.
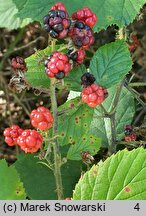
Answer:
(63, 150)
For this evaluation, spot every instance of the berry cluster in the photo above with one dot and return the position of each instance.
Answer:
(57, 21)
(41, 118)
(129, 134)
(57, 65)
(11, 134)
(30, 140)
(80, 36)
(93, 95)
(18, 63)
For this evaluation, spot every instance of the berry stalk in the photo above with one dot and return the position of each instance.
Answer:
(57, 157)
(111, 133)
(112, 125)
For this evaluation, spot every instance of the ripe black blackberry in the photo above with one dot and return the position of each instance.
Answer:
(57, 23)
(128, 129)
(77, 56)
(87, 79)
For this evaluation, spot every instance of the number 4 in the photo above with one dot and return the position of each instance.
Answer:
(137, 207)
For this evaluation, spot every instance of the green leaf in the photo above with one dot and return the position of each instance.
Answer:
(39, 181)
(73, 94)
(108, 11)
(35, 74)
(74, 121)
(120, 177)
(124, 115)
(88, 143)
(111, 63)
(71, 172)
(40, 9)
(11, 188)
(9, 17)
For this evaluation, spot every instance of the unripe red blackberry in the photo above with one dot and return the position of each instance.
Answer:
(57, 65)
(93, 95)
(86, 16)
(30, 141)
(57, 21)
(81, 35)
(59, 6)
(87, 79)
(133, 43)
(41, 118)
(131, 137)
(11, 134)
(87, 157)
(18, 63)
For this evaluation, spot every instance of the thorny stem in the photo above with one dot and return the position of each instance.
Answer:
(57, 157)
(133, 143)
(111, 133)
(110, 125)
(137, 84)
(135, 94)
